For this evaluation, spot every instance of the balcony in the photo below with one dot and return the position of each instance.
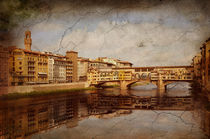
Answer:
(31, 71)
(42, 74)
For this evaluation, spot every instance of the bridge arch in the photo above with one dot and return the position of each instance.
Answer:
(171, 82)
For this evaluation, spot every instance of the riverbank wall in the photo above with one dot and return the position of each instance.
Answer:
(202, 117)
(43, 87)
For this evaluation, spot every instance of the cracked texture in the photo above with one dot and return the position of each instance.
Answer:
(117, 30)
(139, 124)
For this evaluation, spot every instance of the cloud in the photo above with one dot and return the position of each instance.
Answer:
(171, 32)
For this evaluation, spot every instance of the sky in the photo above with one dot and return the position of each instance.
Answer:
(146, 33)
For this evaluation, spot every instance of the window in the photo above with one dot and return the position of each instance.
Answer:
(20, 68)
(20, 63)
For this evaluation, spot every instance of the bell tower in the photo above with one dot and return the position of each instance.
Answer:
(28, 40)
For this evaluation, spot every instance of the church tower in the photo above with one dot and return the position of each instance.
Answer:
(27, 40)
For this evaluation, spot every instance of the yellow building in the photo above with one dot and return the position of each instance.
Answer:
(26, 66)
(92, 76)
(125, 75)
(96, 76)
(205, 64)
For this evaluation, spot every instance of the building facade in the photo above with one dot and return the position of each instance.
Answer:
(96, 76)
(59, 71)
(123, 64)
(50, 68)
(83, 65)
(99, 65)
(205, 64)
(27, 67)
(4, 69)
(116, 63)
(197, 67)
(72, 56)
(69, 71)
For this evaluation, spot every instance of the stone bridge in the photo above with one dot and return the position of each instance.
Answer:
(160, 76)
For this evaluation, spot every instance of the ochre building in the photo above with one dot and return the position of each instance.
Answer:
(27, 67)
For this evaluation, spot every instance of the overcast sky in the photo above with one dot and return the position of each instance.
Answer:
(150, 33)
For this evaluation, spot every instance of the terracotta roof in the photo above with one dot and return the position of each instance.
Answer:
(94, 61)
(152, 67)
(35, 52)
(84, 60)
(126, 62)
(62, 60)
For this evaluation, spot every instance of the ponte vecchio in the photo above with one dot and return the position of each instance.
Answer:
(160, 76)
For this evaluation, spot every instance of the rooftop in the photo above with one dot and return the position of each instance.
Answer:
(71, 51)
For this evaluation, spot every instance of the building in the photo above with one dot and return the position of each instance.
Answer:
(50, 68)
(21, 67)
(39, 114)
(205, 64)
(28, 40)
(116, 63)
(197, 66)
(4, 69)
(27, 67)
(72, 56)
(108, 60)
(83, 65)
(42, 75)
(57, 63)
(92, 76)
(59, 71)
(69, 71)
(123, 64)
(96, 76)
(99, 64)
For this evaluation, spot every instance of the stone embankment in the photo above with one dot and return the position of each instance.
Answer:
(46, 87)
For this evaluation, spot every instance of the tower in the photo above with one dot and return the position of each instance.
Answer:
(28, 40)
(72, 56)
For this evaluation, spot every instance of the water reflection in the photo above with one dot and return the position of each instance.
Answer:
(24, 117)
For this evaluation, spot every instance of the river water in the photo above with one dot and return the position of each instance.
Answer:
(104, 113)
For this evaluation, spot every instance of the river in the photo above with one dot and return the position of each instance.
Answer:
(104, 113)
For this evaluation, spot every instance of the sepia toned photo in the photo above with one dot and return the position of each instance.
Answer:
(104, 69)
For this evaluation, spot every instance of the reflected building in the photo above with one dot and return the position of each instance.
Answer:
(24, 117)
(97, 101)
